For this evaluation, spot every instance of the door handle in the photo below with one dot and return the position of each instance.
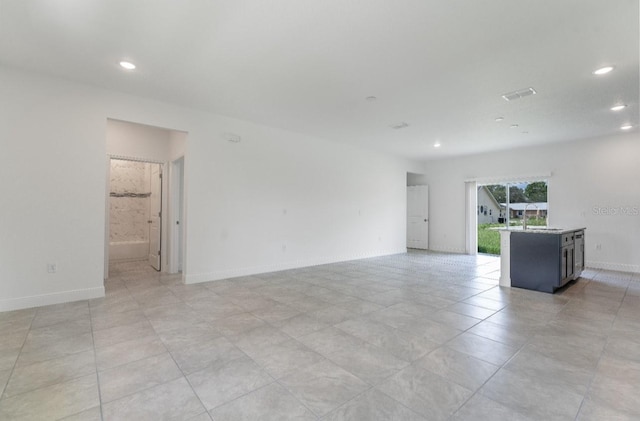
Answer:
(426, 220)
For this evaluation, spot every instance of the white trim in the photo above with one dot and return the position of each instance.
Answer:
(618, 267)
(53, 298)
(505, 258)
(446, 249)
(107, 218)
(509, 179)
(253, 270)
(175, 212)
(471, 218)
(135, 159)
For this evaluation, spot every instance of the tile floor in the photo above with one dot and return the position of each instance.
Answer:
(419, 336)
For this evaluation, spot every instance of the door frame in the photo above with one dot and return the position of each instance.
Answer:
(175, 232)
(164, 191)
(426, 186)
(471, 201)
(161, 216)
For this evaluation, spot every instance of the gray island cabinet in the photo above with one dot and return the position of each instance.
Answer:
(546, 259)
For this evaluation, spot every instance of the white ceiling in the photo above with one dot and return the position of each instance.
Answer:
(308, 65)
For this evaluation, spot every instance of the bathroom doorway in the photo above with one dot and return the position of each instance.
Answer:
(147, 164)
(135, 212)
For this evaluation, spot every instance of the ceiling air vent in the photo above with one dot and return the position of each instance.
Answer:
(519, 94)
(399, 126)
(231, 137)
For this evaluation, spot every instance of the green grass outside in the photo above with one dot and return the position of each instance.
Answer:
(489, 236)
(489, 239)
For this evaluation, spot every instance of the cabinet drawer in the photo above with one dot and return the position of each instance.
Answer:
(566, 239)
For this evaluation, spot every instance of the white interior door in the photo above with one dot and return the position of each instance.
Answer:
(155, 216)
(418, 217)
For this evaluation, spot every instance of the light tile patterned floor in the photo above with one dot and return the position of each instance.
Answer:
(418, 336)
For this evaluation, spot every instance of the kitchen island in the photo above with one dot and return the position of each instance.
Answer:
(541, 258)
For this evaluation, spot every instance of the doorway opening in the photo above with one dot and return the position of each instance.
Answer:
(417, 212)
(135, 212)
(144, 198)
(515, 205)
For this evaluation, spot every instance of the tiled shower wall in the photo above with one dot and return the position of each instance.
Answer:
(128, 215)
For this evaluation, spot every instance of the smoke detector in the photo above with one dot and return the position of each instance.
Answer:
(511, 96)
(231, 137)
(399, 126)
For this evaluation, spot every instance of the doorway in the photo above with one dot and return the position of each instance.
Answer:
(135, 212)
(513, 205)
(417, 211)
(161, 152)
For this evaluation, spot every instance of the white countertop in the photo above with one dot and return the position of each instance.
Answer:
(542, 230)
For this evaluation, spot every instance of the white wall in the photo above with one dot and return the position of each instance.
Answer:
(128, 216)
(416, 179)
(177, 144)
(340, 202)
(587, 175)
(138, 141)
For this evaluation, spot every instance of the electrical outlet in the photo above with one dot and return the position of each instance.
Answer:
(598, 247)
(52, 267)
(284, 248)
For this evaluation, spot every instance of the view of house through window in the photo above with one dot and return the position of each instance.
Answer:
(509, 204)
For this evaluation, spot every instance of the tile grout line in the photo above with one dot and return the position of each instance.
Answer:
(604, 349)
(95, 361)
(15, 363)
(501, 367)
(175, 362)
(554, 315)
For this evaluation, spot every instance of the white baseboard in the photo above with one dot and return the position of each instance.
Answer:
(444, 249)
(619, 267)
(253, 270)
(48, 299)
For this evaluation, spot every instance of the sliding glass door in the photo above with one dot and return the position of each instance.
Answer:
(511, 205)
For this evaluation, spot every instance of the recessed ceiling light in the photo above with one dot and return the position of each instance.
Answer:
(499, 119)
(436, 145)
(513, 126)
(371, 99)
(603, 70)
(127, 65)
(618, 107)
(626, 127)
